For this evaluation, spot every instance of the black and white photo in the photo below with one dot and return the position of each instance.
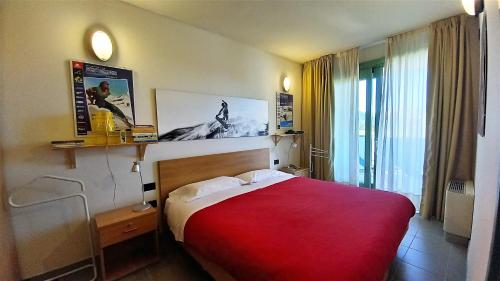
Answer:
(187, 116)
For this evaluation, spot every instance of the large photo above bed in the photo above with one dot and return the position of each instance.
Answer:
(186, 116)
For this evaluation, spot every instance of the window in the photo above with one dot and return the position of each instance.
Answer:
(370, 91)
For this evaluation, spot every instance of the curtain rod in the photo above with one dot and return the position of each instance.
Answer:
(372, 44)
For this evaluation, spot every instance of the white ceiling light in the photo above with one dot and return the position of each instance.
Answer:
(102, 45)
(473, 7)
(286, 83)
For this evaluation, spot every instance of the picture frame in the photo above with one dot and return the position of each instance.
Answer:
(284, 110)
(184, 116)
(101, 88)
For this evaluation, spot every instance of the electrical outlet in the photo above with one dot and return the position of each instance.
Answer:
(276, 161)
(153, 203)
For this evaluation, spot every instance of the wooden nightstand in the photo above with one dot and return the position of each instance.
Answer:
(127, 241)
(301, 172)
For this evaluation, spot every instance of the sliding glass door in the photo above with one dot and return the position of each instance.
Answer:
(370, 90)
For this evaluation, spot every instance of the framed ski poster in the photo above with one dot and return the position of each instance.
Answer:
(101, 88)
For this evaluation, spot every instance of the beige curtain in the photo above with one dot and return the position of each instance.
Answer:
(317, 76)
(453, 75)
(346, 117)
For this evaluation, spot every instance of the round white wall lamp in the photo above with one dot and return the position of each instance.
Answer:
(286, 83)
(473, 7)
(101, 45)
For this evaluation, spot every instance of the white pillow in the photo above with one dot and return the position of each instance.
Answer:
(204, 188)
(260, 175)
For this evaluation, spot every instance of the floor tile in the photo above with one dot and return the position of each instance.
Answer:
(457, 253)
(456, 274)
(407, 240)
(436, 247)
(434, 264)
(430, 230)
(141, 275)
(402, 251)
(408, 272)
(177, 266)
(457, 261)
(393, 270)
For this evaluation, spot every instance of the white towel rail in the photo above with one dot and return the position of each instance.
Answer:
(80, 195)
(315, 152)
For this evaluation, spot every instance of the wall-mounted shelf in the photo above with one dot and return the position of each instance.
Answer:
(278, 137)
(71, 149)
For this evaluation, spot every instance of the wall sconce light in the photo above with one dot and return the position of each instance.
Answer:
(473, 7)
(101, 45)
(286, 83)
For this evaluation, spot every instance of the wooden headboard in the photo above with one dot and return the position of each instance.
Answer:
(175, 173)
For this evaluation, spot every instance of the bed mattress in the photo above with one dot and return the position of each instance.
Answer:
(295, 229)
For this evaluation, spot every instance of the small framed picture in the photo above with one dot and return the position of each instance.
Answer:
(284, 111)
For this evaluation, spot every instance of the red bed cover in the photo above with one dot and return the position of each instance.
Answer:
(302, 229)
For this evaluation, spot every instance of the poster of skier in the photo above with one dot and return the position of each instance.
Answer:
(101, 88)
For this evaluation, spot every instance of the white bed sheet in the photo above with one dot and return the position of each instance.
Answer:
(178, 212)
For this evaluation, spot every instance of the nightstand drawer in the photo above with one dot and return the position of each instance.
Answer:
(124, 230)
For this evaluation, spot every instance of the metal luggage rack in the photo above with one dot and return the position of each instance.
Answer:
(315, 152)
(80, 195)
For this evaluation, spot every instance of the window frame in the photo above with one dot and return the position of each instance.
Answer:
(367, 71)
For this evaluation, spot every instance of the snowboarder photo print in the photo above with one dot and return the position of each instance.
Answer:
(187, 116)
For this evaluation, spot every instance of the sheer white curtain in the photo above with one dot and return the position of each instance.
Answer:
(401, 145)
(345, 128)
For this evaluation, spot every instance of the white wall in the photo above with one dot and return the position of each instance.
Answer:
(488, 157)
(8, 261)
(39, 39)
(371, 52)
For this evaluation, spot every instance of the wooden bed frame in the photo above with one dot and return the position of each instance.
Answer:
(179, 172)
(175, 173)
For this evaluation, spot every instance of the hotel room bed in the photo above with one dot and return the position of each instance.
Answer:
(293, 228)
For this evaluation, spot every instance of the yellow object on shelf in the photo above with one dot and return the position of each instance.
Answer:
(102, 122)
(96, 140)
(110, 139)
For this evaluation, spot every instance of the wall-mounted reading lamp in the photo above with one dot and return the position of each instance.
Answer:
(286, 83)
(101, 45)
(473, 7)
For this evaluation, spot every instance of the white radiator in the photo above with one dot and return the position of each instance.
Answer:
(458, 208)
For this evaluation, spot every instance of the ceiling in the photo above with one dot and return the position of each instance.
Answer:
(304, 30)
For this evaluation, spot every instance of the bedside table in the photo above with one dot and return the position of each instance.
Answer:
(301, 172)
(127, 241)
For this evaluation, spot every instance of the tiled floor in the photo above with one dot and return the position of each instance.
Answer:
(424, 255)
